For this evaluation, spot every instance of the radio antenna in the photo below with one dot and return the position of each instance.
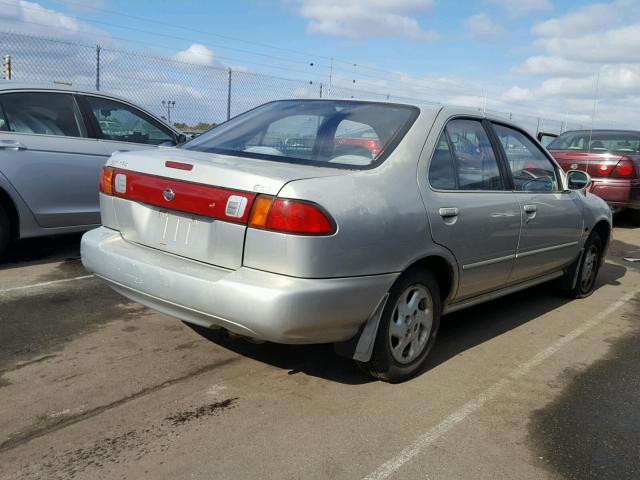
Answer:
(593, 115)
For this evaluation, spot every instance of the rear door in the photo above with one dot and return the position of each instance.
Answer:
(470, 209)
(46, 153)
(552, 218)
(123, 127)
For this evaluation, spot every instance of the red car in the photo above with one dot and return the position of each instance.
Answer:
(611, 157)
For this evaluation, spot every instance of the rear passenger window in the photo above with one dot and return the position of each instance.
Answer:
(441, 172)
(474, 166)
(531, 170)
(43, 114)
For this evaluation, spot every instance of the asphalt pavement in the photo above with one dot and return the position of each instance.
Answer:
(530, 386)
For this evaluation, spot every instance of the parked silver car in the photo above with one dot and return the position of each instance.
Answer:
(53, 143)
(284, 225)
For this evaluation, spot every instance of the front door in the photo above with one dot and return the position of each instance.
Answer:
(552, 218)
(470, 210)
(46, 154)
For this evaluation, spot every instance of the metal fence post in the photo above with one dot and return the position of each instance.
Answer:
(7, 67)
(538, 126)
(98, 67)
(229, 97)
(320, 89)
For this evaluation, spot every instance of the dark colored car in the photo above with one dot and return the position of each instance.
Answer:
(611, 157)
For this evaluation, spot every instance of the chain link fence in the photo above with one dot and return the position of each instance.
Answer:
(203, 94)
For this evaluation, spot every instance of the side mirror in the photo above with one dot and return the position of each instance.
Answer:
(182, 138)
(578, 180)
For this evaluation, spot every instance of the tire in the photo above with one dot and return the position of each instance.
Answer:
(5, 231)
(635, 217)
(588, 266)
(403, 344)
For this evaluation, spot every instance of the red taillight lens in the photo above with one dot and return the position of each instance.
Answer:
(290, 216)
(605, 168)
(106, 181)
(625, 168)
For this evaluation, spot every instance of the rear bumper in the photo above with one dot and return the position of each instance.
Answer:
(248, 302)
(618, 192)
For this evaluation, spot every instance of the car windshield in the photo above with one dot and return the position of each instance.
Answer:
(597, 141)
(335, 133)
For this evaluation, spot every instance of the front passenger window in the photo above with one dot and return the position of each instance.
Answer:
(531, 170)
(122, 123)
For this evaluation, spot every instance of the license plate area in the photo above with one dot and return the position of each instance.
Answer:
(198, 238)
(176, 231)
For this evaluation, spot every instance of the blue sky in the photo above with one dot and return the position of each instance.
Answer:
(541, 57)
(279, 24)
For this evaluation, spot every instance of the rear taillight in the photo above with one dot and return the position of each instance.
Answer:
(106, 181)
(605, 168)
(625, 168)
(290, 216)
(617, 169)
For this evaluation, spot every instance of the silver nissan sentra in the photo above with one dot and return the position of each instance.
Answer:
(351, 222)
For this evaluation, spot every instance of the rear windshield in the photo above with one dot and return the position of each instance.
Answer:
(335, 133)
(585, 141)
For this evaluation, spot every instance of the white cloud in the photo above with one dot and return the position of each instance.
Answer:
(617, 45)
(357, 19)
(37, 18)
(516, 94)
(574, 49)
(519, 8)
(552, 66)
(196, 53)
(574, 24)
(483, 27)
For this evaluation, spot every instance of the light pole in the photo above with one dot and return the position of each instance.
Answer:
(169, 104)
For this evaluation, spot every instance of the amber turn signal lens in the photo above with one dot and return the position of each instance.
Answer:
(260, 211)
(106, 181)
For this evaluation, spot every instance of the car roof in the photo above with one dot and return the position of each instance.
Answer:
(6, 85)
(603, 130)
(10, 85)
(432, 108)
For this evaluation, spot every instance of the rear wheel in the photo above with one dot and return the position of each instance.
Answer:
(587, 266)
(635, 217)
(5, 230)
(408, 328)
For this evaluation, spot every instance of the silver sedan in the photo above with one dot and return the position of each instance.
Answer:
(351, 222)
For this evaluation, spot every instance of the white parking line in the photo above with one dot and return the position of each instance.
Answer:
(429, 437)
(44, 284)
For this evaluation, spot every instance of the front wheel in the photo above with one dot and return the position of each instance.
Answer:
(588, 267)
(408, 328)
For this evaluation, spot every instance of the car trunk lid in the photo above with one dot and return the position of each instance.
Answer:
(195, 204)
(611, 165)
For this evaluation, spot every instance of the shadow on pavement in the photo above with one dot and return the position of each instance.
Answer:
(459, 331)
(623, 220)
(33, 251)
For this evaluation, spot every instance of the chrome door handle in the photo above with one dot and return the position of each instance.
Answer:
(530, 208)
(448, 212)
(11, 145)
